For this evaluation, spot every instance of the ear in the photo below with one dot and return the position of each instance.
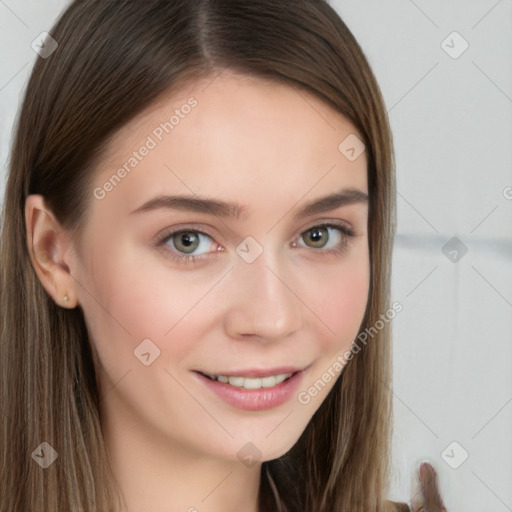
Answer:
(49, 248)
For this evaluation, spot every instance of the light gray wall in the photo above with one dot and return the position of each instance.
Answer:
(451, 117)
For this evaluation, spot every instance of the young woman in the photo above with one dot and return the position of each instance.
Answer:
(197, 233)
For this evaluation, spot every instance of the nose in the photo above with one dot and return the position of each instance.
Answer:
(262, 302)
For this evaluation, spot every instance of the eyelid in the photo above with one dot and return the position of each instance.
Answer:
(337, 222)
(209, 231)
(166, 233)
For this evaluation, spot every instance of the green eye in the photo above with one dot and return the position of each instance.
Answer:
(186, 241)
(319, 236)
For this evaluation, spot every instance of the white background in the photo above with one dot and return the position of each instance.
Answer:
(452, 125)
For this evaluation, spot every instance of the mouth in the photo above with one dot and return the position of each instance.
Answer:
(254, 389)
(250, 383)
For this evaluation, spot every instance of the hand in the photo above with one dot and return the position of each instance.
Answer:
(429, 500)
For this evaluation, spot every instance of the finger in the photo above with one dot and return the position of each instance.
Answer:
(416, 500)
(429, 488)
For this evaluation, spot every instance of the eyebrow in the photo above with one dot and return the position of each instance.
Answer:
(202, 204)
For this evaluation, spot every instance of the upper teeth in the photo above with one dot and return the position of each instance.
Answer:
(249, 383)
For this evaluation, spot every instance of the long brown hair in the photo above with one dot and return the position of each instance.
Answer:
(114, 59)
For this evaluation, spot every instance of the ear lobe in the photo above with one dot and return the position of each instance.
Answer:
(47, 245)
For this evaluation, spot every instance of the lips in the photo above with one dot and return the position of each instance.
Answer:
(252, 395)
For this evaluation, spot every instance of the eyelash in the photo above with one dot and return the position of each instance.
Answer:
(346, 234)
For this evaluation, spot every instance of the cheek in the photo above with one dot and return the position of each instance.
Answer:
(122, 303)
(341, 302)
(144, 301)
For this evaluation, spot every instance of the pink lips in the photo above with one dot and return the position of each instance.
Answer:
(255, 399)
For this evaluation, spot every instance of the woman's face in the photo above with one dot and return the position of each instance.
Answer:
(271, 290)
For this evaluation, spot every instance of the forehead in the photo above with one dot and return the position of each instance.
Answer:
(235, 137)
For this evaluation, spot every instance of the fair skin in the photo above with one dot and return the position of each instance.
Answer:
(174, 442)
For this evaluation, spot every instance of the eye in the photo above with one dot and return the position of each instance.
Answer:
(184, 242)
(337, 235)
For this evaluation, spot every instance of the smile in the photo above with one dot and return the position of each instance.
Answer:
(269, 389)
(251, 383)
